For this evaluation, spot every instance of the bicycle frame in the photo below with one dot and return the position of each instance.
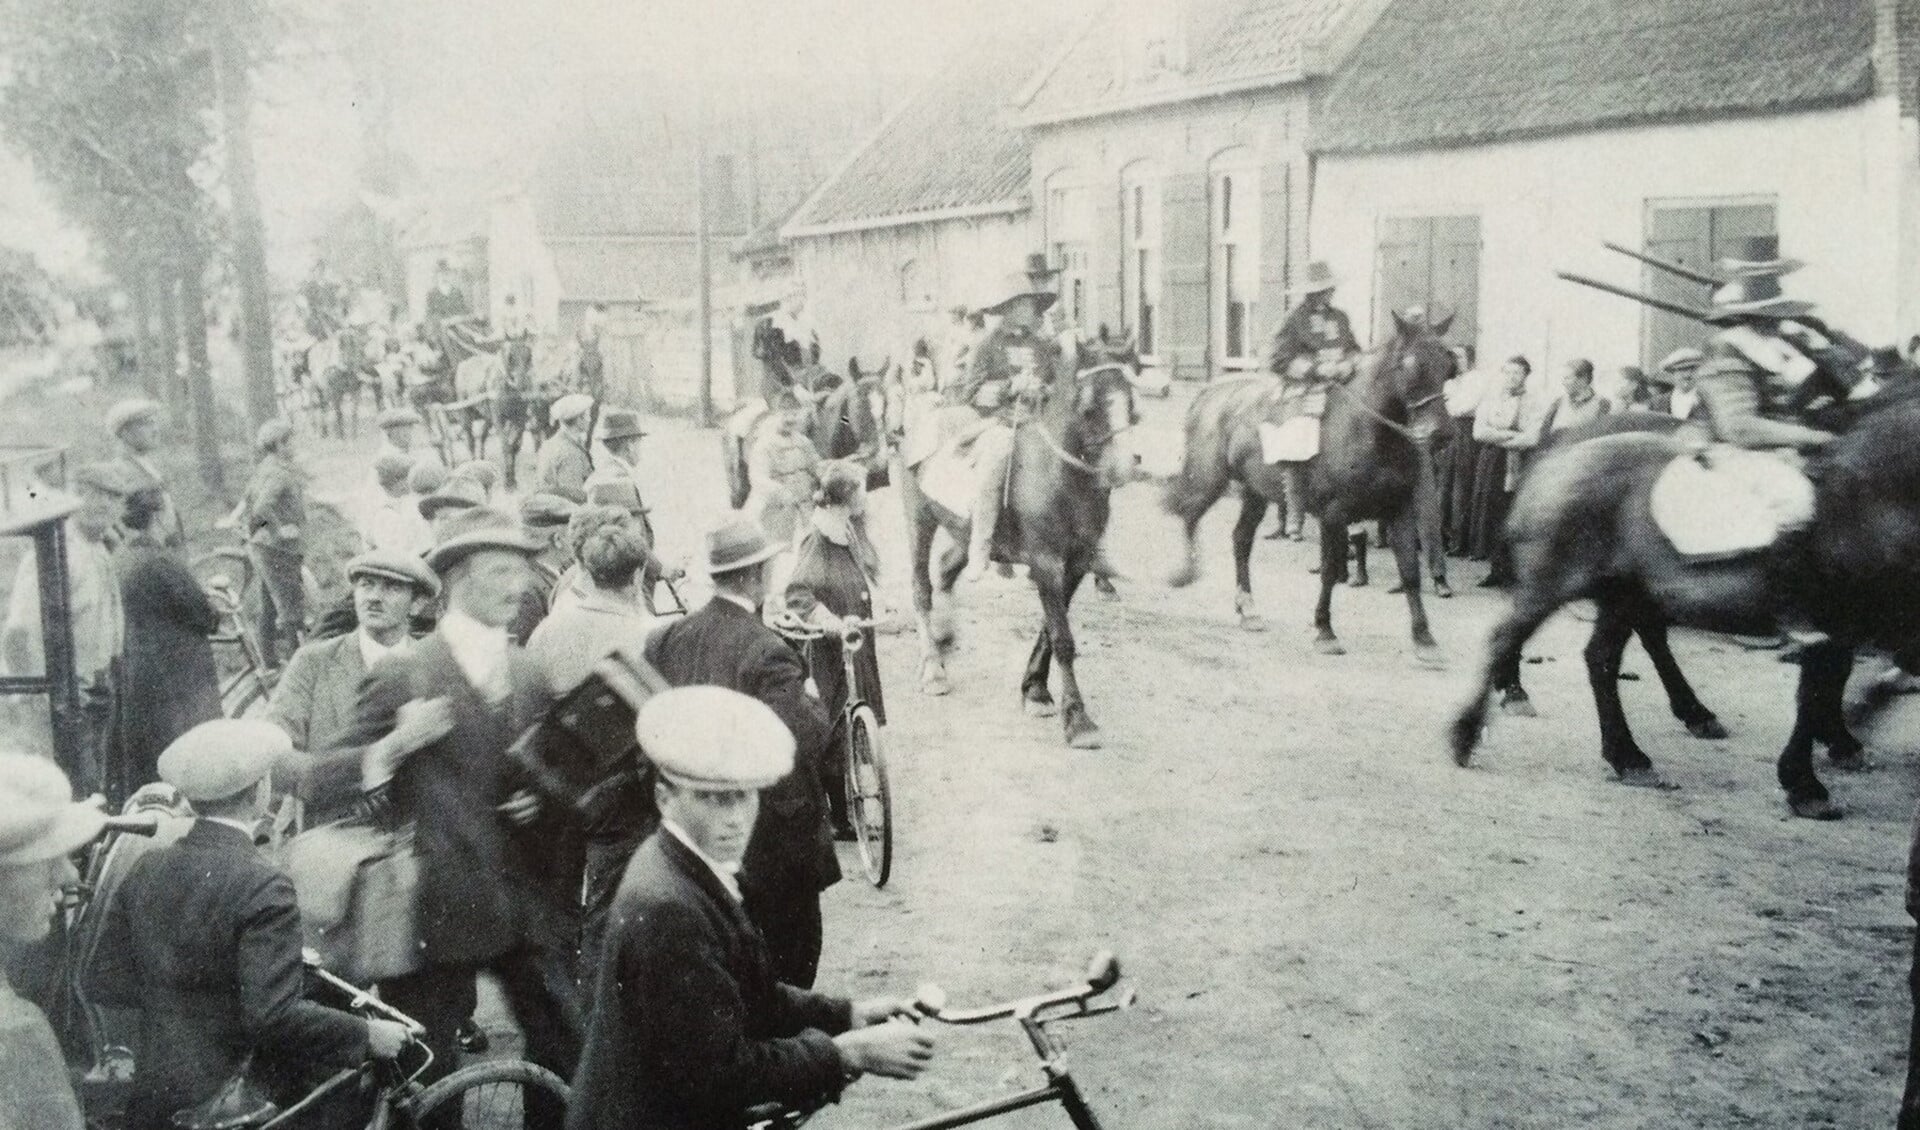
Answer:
(393, 1090)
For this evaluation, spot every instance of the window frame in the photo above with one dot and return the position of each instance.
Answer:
(1142, 239)
(1233, 249)
(1069, 221)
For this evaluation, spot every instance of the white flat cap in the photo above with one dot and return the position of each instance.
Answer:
(39, 819)
(712, 738)
(570, 407)
(222, 758)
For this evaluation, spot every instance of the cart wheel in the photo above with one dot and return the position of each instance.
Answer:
(869, 800)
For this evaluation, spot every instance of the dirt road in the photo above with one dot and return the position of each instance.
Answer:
(1329, 924)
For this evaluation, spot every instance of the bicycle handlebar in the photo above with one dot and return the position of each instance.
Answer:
(132, 825)
(1103, 972)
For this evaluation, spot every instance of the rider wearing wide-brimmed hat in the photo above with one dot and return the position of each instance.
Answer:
(1314, 345)
(1769, 359)
(1013, 366)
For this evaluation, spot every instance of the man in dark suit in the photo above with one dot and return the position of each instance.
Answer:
(791, 859)
(203, 938)
(690, 1025)
(434, 727)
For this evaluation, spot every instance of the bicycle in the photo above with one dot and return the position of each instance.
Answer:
(1033, 1014)
(869, 795)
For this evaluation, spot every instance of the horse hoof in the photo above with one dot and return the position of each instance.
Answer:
(1430, 657)
(1443, 590)
(1039, 707)
(1107, 592)
(1708, 728)
(1855, 762)
(1252, 622)
(1518, 706)
(1357, 583)
(1644, 777)
(1086, 736)
(1328, 647)
(1182, 577)
(1814, 808)
(936, 687)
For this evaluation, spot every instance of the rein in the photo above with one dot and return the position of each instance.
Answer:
(1053, 443)
(1399, 429)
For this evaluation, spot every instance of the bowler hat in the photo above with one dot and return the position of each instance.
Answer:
(394, 566)
(1758, 256)
(223, 758)
(619, 423)
(39, 819)
(544, 511)
(1017, 288)
(398, 416)
(458, 491)
(1038, 268)
(714, 739)
(477, 529)
(1754, 296)
(271, 434)
(738, 544)
(1317, 277)
(127, 411)
(570, 407)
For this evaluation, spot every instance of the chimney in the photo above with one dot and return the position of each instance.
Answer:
(1896, 52)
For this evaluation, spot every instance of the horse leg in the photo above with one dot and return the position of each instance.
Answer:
(1359, 559)
(1611, 631)
(1057, 584)
(1693, 714)
(1033, 687)
(1830, 724)
(1823, 677)
(1523, 618)
(935, 637)
(1403, 537)
(1253, 508)
(1189, 495)
(1333, 570)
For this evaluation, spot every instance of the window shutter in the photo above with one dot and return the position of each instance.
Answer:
(1185, 247)
(1456, 276)
(1104, 262)
(1276, 230)
(1405, 269)
(1684, 236)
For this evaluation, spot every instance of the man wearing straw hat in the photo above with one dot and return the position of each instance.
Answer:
(691, 1023)
(203, 938)
(724, 643)
(135, 427)
(433, 728)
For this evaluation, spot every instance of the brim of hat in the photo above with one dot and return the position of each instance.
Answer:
(1042, 298)
(431, 589)
(453, 549)
(1781, 307)
(1759, 268)
(709, 785)
(76, 826)
(606, 435)
(1305, 289)
(435, 503)
(766, 553)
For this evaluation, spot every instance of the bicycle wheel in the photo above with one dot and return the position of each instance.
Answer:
(244, 695)
(869, 799)
(489, 1096)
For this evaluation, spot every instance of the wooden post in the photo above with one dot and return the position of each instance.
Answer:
(705, 259)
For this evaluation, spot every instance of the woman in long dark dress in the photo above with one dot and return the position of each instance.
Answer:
(172, 685)
(834, 569)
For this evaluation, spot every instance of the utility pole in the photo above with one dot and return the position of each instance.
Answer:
(249, 233)
(705, 255)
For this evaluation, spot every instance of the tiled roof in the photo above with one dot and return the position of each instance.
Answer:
(951, 146)
(1457, 72)
(1254, 41)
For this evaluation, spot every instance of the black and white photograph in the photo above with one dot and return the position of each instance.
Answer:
(912, 564)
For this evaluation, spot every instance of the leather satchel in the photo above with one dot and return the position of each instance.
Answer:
(358, 887)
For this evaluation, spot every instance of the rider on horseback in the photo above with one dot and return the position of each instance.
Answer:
(1011, 370)
(1314, 347)
(790, 347)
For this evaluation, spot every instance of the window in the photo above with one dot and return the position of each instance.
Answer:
(1235, 273)
(1693, 233)
(914, 293)
(1069, 228)
(1140, 261)
(1432, 262)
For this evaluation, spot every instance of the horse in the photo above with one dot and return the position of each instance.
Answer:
(476, 381)
(1371, 436)
(1065, 462)
(845, 423)
(1582, 528)
(517, 404)
(334, 367)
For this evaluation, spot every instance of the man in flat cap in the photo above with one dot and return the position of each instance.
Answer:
(314, 701)
(1682, 399)
(545, 517)
(564, 464)
(691, 1023)
(724, 643)
(135, 427)
(203, 938)
(97, 613)
(400, 434)
(393, 521)
(455, 495)
(273, 514)
(434, 727)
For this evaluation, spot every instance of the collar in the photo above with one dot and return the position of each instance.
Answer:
(834, 524)
(1577, 401)
(477, 649)
(727, 873)
(373, 651)
(596, 599)
(738, 601)
(245, 828)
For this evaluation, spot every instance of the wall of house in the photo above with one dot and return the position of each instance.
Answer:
(873, 292)
(1844, 184)
(520, 263)
(1182, 142)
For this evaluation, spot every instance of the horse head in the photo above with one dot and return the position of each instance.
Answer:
(1412, 369)
(1101, 415)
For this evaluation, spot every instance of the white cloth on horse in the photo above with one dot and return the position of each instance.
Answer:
(1737, 502)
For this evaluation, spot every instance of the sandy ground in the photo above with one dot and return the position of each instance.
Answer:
(1328, 923)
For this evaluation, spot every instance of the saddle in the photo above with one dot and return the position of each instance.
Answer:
(938, 448)
(1290, 420)
(1728, 502)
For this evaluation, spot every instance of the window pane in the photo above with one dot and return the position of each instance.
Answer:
(1226, 204)
(20, 645)
(1139, 211)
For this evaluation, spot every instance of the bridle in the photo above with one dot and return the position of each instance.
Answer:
(1053, 443)
(1394, 426)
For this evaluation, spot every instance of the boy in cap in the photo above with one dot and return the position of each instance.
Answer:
(394, 521)
(691, 1023)
(204, 939)
(135, 427)
(564, 464)
(399, 430)
(273, 513)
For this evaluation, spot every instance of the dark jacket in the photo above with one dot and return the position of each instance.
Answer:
(991, 370)
(204, 938)
(171, 684)
(1322, 335)
(724, 645)
(276, 497)
(480, 892)
(689, 1027)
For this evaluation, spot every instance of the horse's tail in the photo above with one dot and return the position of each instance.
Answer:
(1205, 467)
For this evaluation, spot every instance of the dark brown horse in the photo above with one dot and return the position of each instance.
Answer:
(1370, 439)
(846, 423)
(1581, 528)
(1066, 461)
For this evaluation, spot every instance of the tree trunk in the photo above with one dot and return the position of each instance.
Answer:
(166, 284)
(142, 288)
(206, 427)
(249, 237)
